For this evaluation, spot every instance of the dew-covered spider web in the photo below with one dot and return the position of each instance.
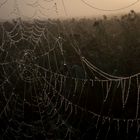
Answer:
(42, 97)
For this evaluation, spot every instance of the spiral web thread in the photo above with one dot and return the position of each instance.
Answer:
(40, 99)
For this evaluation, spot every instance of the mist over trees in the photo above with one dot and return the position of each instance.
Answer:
(111, 43)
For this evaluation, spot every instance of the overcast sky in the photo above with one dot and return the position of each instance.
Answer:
(73, 8)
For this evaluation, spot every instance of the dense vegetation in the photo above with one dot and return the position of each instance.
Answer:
(112, 44)
(42, 103)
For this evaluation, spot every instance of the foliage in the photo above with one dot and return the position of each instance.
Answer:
(112, 44)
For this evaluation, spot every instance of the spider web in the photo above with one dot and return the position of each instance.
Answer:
(43, 98)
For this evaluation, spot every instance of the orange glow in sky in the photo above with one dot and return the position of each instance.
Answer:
(64, 8)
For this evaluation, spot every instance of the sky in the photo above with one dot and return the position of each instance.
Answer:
(64, 8)
(78, 8)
